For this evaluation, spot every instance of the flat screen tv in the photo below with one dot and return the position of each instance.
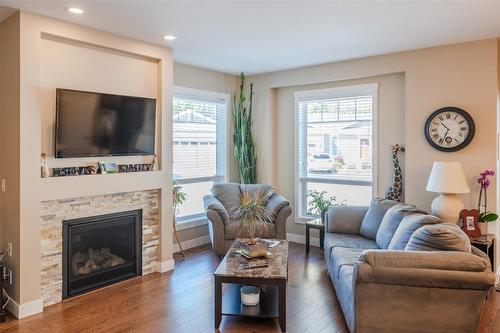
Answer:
(94, 124)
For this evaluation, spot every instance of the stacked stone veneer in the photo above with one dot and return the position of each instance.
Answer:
(55, 212)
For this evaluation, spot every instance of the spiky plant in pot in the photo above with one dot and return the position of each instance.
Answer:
(244, 148)
(251, 215)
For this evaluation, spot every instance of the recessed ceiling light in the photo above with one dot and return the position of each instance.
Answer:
(75, 10)
(169, 37)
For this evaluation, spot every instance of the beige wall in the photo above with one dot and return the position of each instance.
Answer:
(53, 54)
(204, 79)
(463, 75)
(10, 143)
(390, 130)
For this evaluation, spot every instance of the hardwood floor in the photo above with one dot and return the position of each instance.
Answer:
(182, 301)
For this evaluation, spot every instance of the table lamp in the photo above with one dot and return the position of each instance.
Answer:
(447, 179)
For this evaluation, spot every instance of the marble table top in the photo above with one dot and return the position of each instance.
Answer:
(277, 269)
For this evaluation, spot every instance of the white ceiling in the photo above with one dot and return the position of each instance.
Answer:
(261, 36)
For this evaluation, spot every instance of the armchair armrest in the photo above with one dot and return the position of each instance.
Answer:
(214, 205)
(345, 219)
(280, 210)
(433, 269)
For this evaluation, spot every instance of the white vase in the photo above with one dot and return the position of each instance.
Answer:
(483, 227)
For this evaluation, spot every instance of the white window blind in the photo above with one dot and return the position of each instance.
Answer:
(335, 144)
(199, 147)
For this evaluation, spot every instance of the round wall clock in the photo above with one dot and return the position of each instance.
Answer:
(449, 129)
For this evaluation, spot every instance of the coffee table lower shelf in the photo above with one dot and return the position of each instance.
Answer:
(267, 307)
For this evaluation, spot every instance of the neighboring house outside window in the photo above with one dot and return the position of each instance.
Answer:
(334, 144)
(199, 146)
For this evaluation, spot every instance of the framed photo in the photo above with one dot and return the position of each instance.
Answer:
(469, 220)
(108, 167)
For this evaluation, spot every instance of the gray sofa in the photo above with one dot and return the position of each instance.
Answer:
(396, 269)
(225, 198)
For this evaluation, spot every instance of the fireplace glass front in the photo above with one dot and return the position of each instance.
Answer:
(101, 250)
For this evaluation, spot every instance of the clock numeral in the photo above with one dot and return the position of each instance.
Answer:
(461, 122)
(448, 116)
(456, 116)
(435, 123)
(463, 128)
(441, 118)
(441, 141)
(461, 134)
(435, 136)
(434, 130)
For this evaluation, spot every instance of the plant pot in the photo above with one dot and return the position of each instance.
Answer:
(483, 226)
(323, 217)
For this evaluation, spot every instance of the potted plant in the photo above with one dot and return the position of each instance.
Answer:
(251, 216)
(318, 203)
(485, 216)
(178, 198)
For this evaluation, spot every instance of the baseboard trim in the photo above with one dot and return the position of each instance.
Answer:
(21, 311)
(302, 239)
(190, 243)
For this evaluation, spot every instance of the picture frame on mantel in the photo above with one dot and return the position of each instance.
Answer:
(470, 219)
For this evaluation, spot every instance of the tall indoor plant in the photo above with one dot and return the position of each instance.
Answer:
(244, 147)
(178, 197)
(485, 216)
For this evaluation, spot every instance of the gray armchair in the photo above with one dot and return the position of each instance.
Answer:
(225, 197)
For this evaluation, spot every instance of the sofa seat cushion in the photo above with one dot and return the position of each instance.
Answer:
(347, 240)
(342, 256)
(235, 230)
(391, 221)
(407, 227)
(439, 237)
(374, 215)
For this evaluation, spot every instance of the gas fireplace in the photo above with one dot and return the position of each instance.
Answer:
(101, 250)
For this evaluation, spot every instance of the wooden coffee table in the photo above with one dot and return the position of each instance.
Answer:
(271, 280)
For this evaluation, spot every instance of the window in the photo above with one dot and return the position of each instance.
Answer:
(199, 146)
(335, 144)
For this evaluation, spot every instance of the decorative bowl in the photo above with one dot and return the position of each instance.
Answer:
(250, 295)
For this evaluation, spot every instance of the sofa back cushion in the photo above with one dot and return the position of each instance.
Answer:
(228, 194)
(374, 216)
(407, 227)
(439, 237)
(391, 221)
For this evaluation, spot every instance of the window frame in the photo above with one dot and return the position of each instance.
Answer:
(329, 93)
(222, 157)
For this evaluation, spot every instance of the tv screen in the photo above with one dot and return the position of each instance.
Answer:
(94, 124)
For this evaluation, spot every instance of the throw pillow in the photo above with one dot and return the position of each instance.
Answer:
(373, 218)
(228, 194)
(439, 237)
(391, 221)
(407, 227)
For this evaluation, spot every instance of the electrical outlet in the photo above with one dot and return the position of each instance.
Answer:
(3, 184)
(9, 249)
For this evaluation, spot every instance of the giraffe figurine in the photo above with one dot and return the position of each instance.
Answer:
(394, 191)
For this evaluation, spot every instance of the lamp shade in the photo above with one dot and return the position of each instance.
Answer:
(447, 177)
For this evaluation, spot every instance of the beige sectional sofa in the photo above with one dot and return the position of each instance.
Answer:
(397, 269)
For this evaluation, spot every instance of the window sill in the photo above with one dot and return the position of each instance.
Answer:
(195, 222)
(303, 219)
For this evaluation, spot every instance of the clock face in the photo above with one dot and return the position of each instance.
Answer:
(449, 129)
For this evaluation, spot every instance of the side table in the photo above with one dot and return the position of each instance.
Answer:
(315, 224)
(486, 243)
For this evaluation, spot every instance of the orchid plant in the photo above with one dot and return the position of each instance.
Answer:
(482, 204)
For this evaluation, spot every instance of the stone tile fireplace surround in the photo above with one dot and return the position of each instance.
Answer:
(54, 212)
